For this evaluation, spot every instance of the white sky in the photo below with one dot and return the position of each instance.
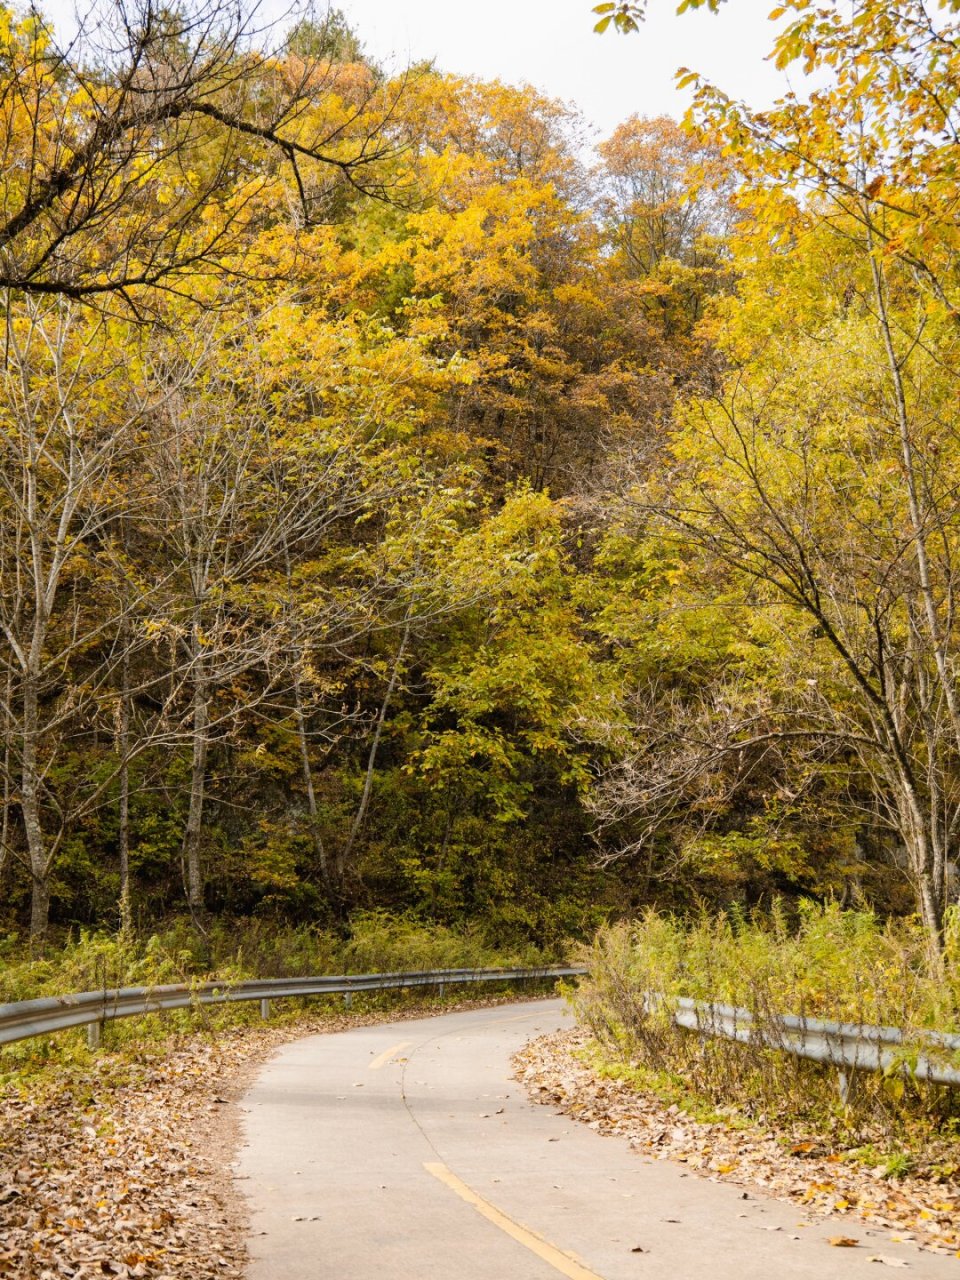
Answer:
(551, 45)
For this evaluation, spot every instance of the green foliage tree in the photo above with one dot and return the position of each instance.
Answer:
(818, 486)
(297, 358)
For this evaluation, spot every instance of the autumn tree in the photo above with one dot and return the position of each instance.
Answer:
(493, 766)
(823, 476)
(508, 270)
(668, 208)
(360, 582)
(137, 156)
(70, 412)
(285, 432)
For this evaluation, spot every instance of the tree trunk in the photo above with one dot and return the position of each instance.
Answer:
(39, 910)
(927, 868)
(7, 737)
(198, 775)
(361, 813)
(123, 747)
(931, 912)
(318, 844)
(30, 805)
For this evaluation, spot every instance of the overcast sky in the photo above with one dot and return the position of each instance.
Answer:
(550, 44)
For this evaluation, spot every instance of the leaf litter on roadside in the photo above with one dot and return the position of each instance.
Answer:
(123, 1167)
(807, 1172)
(105, 1172)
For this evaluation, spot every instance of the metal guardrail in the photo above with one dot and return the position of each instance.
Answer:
(91, 1009)
(848, 1046)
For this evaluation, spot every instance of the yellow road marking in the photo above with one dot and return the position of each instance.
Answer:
(384, 1058)
(563, 1262)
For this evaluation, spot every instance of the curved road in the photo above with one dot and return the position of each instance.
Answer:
(404, 1151)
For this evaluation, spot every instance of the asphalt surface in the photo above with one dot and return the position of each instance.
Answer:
(405, 1151)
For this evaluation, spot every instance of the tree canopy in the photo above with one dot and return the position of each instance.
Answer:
(401, 507)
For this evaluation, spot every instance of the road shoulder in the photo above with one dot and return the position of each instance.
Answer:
(555, 1070)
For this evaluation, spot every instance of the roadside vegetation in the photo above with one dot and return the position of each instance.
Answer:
(378, 944)
(841, 966)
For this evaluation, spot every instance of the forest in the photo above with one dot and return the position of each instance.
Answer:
(408, 507)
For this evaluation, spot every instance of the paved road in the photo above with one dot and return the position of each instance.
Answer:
(405, 1151)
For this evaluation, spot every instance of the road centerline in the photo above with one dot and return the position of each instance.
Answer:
(361, 1155)
(382, 1059)
(564, 1263)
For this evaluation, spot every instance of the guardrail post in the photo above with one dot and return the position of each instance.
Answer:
(264, 1009)
(440, 990)
(347, 999)
(93, 1034)
(845, 1084)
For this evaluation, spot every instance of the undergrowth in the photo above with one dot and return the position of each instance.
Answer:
(831, 964)
(230, 952)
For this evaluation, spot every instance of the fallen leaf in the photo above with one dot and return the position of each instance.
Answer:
(118, 1166)
(554, 1073)
(843, 1242)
